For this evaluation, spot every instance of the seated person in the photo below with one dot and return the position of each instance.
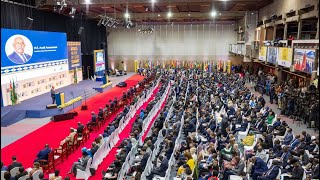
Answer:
(3, 167)
(93, 121)
(14, 164)
(94, 148)
(80, 128)
(21, 173)
(70, 137)
(43, 154)
(272, 172)
(161, 170)
(36, 167)
(80, 164)
(56, 176)
(113, 171)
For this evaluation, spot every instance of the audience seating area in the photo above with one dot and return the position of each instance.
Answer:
(198, 125)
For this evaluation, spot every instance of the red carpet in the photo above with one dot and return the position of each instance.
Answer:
(26, 148)
(123, 135)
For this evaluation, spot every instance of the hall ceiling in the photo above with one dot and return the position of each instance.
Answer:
(145, 11)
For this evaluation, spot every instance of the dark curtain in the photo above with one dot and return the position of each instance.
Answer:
(14, 17)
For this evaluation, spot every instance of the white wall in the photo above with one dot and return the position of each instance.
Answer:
(179, 42)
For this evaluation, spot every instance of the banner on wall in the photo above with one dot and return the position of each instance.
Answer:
(74, 55)
(262, 53)
(99, 62)
(304, 60)
(272, 55)
(285, 57)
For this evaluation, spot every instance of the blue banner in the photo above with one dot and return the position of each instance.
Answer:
(25, 47)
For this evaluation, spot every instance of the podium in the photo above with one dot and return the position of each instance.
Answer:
(59, 98)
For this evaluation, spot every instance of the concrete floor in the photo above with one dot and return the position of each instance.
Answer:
(18, 130)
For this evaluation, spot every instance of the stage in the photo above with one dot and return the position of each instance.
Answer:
(36, 106)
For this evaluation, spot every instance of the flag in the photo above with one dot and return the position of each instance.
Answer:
(75, 76)
(13, 93)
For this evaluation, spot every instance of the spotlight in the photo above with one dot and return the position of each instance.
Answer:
(213, 13)
(169, 14)
(158, 15)
(126, 15)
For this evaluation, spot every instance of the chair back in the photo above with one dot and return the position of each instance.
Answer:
(14, 171)
(2, 174)
(35, 175)
(24, 177)
(279, 174)
(75, 139)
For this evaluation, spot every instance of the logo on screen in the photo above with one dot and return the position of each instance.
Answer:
(19, 49)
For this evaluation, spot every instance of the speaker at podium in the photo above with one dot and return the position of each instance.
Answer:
(59, 98)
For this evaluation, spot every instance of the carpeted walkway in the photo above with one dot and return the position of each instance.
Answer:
(123, 135)
(26, 148)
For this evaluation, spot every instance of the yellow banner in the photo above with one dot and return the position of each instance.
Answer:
(285, 56)
(229, 66)
(263, 53)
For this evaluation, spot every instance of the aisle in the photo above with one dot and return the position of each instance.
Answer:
(66, 165)
(26, 148)
(123, 135)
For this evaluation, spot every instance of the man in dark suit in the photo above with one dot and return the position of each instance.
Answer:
(145, 157)
(53, 92)
(295, 142)
(297, 172)
(80, 128)
(258, 168)
(161, 170)
(94, 148)
(288, 138)
(268, 141)
(43, 154)
(14, 164)
(18, 56)
(272, 172)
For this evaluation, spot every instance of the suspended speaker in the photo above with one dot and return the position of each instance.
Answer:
(80, 30)
(28, 23)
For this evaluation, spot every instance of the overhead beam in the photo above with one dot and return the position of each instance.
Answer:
(162, 2)
(196, 15)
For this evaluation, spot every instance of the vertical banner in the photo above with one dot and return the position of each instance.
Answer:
(74, 55)
(229, 66)
(285, 57)
(224, 66)
(272, 55)
(136, 66)
(99, 62)
(262, 53)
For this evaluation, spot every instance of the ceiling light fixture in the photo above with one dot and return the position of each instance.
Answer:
(153, 1)
(126, 15)
(252, 13)
(158, 15)
(220, 14)
(189, 14)
(213, 13)
(169, 14)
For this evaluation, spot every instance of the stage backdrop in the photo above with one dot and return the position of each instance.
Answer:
(28, 54)
(304, 60)
(285, 57)
(34, 61)
(272, 55)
